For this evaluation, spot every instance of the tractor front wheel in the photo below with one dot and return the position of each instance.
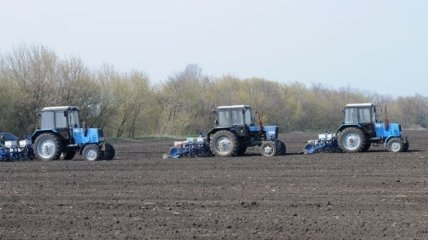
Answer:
(92, 152)
(269, 149)
(224, 144)
(406, 145)
(282, 149)
(109, 152)
(352, 140)
(395, 145)
(47, 147)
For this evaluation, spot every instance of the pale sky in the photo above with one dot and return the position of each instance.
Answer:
(375, 45)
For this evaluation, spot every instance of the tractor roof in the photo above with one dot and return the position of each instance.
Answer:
(233, 106)
(59, 108)
(360, 105)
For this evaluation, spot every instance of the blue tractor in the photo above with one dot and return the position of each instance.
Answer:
(235, 131)
(361, 128)
(59, 135)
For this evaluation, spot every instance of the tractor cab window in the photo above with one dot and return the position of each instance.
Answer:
(74, 119)
(60, 120)
(374, 114)
(237, 117)
(351, 116)
(248, 116)
(47, 120)
(223, 118)
(364, 115)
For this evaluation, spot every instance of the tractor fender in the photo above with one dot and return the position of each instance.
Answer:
(39, 132)
(214, 130)
(343, 126)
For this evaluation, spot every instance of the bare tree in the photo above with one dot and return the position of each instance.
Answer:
(32, 70)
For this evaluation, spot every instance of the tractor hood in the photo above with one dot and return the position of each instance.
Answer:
(388, 130)
(270, 131)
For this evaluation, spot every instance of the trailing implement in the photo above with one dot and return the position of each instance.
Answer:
(191, 147)
(326, 142)
(12, 149)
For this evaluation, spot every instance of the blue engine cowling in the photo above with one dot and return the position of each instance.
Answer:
(271, 132)
(89, 135)
(387, 130)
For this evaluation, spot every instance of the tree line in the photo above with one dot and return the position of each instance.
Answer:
(129, 105)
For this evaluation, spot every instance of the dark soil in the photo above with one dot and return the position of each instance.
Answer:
(140, 195)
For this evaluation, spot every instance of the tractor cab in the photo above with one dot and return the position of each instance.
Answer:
(59, 117)
(235, 115)
(361, 115)
(61, 120)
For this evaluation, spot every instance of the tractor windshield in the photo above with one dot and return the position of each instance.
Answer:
(248, 116)
(74, 119)
(237, 117)
(364, 115)
(60, 120)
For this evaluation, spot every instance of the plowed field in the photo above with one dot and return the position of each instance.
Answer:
(139, 195)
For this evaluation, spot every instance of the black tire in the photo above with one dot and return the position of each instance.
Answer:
(47, 147)
(353, 140)
(268, 149)
(224, 144)
(282, 149)
(406, 146)
(68, 155)
(395, 145)
(109, 152)
(367, 145)
(92, 152)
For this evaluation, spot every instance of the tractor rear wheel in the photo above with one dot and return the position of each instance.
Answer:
(109, 152)
(353, 140)
(92, 152)
(48, 147)
(367, 145)
(224, 144)
(269, 149)
(395, 145)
